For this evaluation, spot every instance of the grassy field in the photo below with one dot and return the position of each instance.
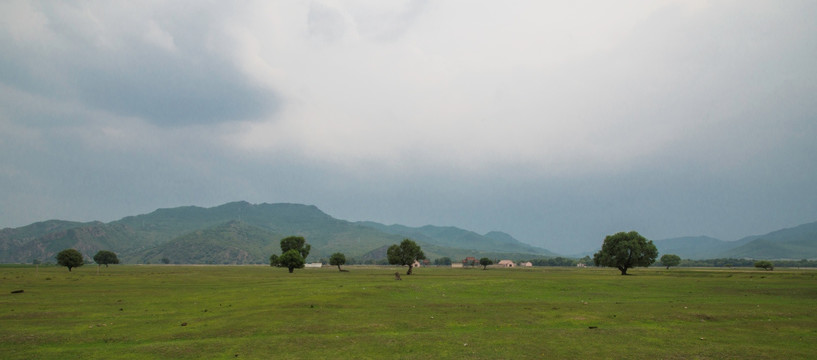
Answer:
(258, 312)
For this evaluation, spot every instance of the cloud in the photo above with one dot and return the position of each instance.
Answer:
(557, 122)
(159, 64)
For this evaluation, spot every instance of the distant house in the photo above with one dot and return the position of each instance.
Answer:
(313, 265)
(506, 263)
(581, 265)
(526, 264)
(456, 265)
(470, 261)
(415, 264)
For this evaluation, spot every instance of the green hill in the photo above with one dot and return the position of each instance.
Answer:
(459, 243)
(240, 233)
(233, 242)
(799, 242)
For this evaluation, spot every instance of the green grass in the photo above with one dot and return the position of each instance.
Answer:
(261, 312)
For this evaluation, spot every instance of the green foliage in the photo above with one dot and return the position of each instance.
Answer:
(274, 260)
(296, 243)
(485, 262)
(764, 264)
(69, 258)
(337, 259)
(291, 259)
(105, 257)
(625, 250)
(554, 261)
(670, 260)
(405, 254)
(445, 260)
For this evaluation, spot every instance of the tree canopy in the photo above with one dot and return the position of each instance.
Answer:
(70, 258)
(764, 264)
(294, 251)
(405, 254)
(105, 257)
(626, 250)
(296, 243)
(485, 262)
(291, 260)
(670, 260)
(337, 259)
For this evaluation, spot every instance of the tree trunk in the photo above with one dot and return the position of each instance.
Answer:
(339, 268)
(291, 269)
(409, 270)
(623, 270)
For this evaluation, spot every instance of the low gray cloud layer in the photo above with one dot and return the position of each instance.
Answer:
(558, 123)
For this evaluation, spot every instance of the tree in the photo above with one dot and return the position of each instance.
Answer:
(337, 259)
(485, 262)
(445, 260)
(764, 264)
(273, 260)
(405, 254)
(296, 243)
(69, 258)
(670, 260)
(105, 257)
(291, 260)
(626, 250)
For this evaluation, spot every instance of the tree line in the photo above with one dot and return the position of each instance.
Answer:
(623, 250)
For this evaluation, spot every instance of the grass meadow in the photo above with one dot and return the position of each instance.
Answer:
(259, 312)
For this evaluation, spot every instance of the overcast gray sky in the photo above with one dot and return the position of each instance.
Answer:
(556, 122)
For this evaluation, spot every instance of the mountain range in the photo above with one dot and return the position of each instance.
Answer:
(244, 233)
(799, 242)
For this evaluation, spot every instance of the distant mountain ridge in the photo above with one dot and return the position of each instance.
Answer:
(799, 242)
(240, 233)
(449, 236)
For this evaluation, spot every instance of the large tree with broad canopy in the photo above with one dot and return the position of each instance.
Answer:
(626, 250)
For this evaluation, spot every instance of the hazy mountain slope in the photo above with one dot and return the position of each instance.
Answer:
(12, 239)
(461, 241)
(799, 242)
(240, 232)
(233, 242)
(693, 247)
(88, 238)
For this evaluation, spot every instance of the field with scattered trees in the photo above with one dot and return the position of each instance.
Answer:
(261, 312)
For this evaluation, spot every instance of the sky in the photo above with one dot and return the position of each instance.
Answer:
(557, 122)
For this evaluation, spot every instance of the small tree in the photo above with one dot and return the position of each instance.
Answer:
(670, 260)
(405, 254)
(626, 250)
(337, 259)
(69, 258)
(105, 257)
(764, 264)
(274, 261)
(291, 260)
(485, 262)
(445, 260)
